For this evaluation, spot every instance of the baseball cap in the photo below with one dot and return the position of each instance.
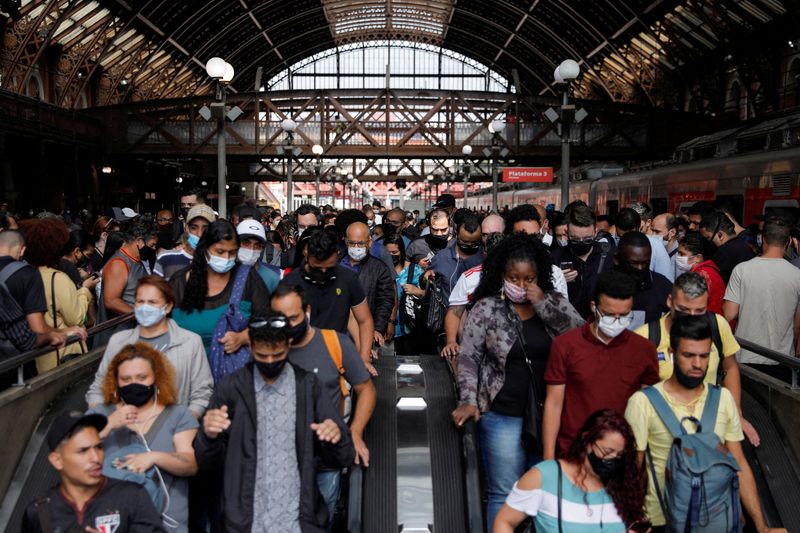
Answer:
(251, 228)
(445, 201)
(66, 422)
(202, 211)
(124, 213)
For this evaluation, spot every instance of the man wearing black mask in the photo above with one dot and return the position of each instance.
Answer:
(332, 357)
(461, 254)
(333, 292)
(583, 259)
(652, 289)
(271, 405)
(434, 242)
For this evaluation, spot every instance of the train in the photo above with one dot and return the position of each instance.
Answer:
(749, 184)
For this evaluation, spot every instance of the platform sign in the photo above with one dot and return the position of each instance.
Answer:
(528, 175)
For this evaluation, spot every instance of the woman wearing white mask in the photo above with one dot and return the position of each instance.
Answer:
(215, 297)
(502, 357)
(691, 257)
(154, 303)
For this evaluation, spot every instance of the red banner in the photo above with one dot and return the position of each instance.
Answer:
(528, 175)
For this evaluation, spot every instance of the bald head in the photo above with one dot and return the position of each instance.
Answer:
(542, 216)
(357, 232)
(493, 224)
(12, 243)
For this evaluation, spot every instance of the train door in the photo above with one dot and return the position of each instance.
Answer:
(733, 203)
(612, 208)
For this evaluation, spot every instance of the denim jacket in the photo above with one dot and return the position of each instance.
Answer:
(489, 334)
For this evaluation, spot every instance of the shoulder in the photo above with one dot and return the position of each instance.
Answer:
(637, 341)
(643, 330)
(473, 271)
(486, 305)
(183, 335)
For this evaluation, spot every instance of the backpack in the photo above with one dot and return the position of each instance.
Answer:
(12, 308)
(335, 350)
(654, 334)
(701, 492)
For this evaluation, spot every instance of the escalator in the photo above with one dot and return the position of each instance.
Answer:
(424, 475)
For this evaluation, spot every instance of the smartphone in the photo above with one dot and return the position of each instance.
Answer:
(566, 265)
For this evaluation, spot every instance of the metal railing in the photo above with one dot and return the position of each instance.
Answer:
(787, 360)
(19, 361)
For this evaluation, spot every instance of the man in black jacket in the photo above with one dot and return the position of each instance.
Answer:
(267, 427)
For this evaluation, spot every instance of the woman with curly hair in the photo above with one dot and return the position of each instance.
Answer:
(503, 354)
(67, 305)
(601, 484)
(148, 438)
(216, 296)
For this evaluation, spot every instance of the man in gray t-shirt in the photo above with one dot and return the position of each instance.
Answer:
(312, 353)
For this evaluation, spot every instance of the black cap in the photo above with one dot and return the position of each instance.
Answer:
(66, 422)
(445, 201)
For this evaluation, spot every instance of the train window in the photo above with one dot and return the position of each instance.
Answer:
(659, 205)
(732, 203)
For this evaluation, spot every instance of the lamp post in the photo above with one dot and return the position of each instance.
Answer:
(466, 151)
(317, 150)
(222, 71)
(288, 125)
(344, 188)
(567, 71)
(495, 128)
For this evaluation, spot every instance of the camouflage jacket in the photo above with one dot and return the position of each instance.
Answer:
(490, 331)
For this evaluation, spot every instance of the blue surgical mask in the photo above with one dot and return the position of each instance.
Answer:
(149, 315)
(192, 240)
(219, 264)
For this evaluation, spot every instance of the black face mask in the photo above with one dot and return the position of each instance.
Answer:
(82, 261)
(436, 242)
(604, 468)
(318, 277)
(639, 276)
(296, 333)
(397, 259)
(690, 382)
(271, 370)
(469, 249)
(580, 248)
(678, 314)
(136, 394)
(184, 212)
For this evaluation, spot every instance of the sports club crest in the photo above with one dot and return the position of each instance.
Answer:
(107, 523)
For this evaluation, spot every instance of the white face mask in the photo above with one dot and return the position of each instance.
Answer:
(248, 257)
(547, 239)
(611, 326)
(356, 253)
(563, 242)
(682, 263)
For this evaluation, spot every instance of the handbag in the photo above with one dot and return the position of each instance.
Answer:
(434, 320)
(532, 417)
(222, 363)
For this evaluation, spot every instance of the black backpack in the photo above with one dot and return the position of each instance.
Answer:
(654, 334)
(12, 308)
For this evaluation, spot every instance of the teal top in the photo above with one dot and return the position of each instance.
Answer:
(402, 279)
(581, 512)
(203, 322)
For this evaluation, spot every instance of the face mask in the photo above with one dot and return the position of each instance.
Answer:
(682, 263)
(562, 242)
(82, 261)
(136, 394)
(580, 248)
(604, 468)
(300, 232)
(680, 235)
(220, 265)
(610, 328)
(192, 240)
(690, 382)
(547, 239)
(296, 333)
(469, 249)
(639, 276)
(356, 253)
(514, 292)
(248, 257)
(271, 370)
(185, 212)
(436, 242)
(397, 259)
(319, 278)
(149, 315)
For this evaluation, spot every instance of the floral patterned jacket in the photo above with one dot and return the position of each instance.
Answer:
(490, 331)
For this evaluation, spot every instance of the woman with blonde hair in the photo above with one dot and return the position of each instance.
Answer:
(148, 438)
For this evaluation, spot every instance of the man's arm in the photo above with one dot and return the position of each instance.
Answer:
(551, 423)
(747, 490)
(386, 291)
(730, 310)
(366, 397)
(452, 321)
(115, 277)
(733, 382)
(366, 331)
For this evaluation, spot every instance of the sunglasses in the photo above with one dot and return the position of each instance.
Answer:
(275, 322)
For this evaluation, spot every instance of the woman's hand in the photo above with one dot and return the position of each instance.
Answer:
(90, 283)
(535, 293)
(137, 462)
(464, 412)
(413, 290)
(123, 416)
(233, 340)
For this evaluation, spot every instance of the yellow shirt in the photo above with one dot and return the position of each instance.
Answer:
(649, 430)
(729, 346)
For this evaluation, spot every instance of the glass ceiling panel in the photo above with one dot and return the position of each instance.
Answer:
(423, 21)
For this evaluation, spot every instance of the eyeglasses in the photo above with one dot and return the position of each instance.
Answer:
(275, 322)
(355, 243)
(606, 455)
(624, 320)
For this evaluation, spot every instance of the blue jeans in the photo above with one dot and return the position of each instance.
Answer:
(329, 483)
(504, 458)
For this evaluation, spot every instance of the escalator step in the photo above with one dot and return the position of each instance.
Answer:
(380, 479)
(445, 446)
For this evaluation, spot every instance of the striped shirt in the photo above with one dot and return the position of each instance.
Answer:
(170, 262)
(581, 512)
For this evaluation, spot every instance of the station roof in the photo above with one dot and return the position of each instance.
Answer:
(158, 48)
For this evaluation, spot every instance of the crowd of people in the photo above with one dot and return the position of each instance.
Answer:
(582, 344)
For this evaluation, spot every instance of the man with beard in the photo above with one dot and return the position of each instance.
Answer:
(686, 395)
(168, 232)
(583, 258)
(652, 289)
(434, 242)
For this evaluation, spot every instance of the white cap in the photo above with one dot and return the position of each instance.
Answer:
(251, 228)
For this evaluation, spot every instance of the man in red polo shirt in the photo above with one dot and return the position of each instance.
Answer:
(596, 366)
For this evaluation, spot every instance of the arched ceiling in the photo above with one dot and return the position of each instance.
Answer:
(147, 49)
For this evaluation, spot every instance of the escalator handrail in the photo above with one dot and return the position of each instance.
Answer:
(17, 361)
(788, 360)
(472, 477)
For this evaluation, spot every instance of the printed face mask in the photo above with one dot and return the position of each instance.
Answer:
(514, 292)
